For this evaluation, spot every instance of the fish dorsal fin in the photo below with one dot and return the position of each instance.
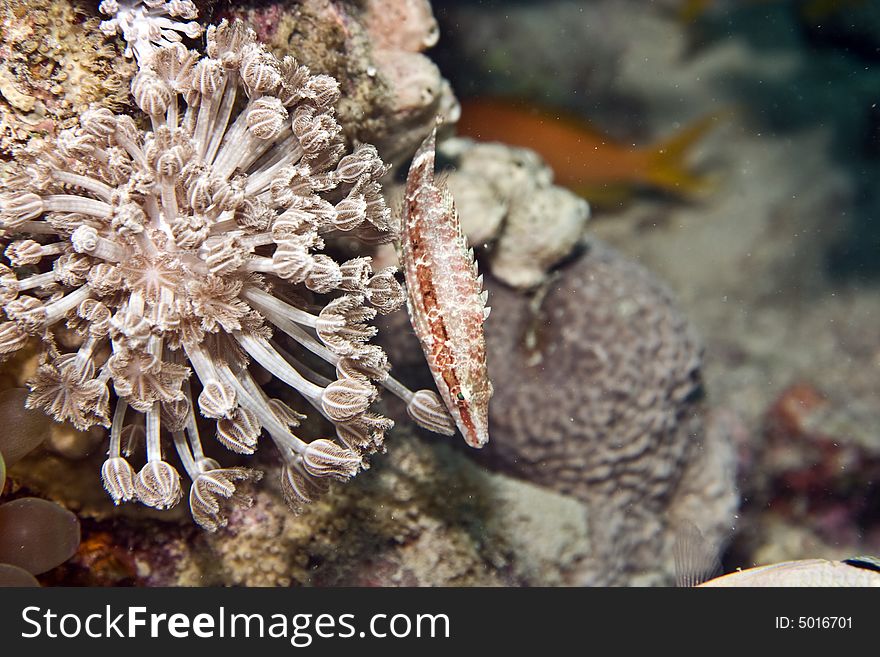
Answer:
(868, 563)
(449, 202)
(696, 559)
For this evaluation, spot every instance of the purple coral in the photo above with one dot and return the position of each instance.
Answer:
(600, 401)
(182, 248)
(605, 370)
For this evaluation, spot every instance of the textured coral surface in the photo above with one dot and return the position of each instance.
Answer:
(170, 252)
(392, 93)
(425, 515)
(54, 62)
(509, 205)
(601, 402)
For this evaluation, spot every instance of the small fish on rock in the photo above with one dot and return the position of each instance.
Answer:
(447, 305)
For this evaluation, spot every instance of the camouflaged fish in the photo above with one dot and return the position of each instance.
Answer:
(446, 303)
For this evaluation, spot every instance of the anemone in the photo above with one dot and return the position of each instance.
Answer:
(187, 249)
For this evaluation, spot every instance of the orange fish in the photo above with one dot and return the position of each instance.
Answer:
(691, 11)
(594, 166)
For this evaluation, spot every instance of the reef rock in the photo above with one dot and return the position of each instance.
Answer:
(423, 516)
(54, 63)
(598, 397)
(505, 196)
(600, 401)
(392, 93)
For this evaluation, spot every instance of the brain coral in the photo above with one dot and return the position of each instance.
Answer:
(601, 401)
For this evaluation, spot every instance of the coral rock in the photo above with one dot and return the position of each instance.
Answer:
(506, 194)
(158, 247)
(426, 516)
(600, 402)
(401, 24)
(597, 398)
(393, 93)
(54, 62)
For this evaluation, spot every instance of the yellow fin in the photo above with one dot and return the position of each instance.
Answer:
(691, 11)
(666, 167)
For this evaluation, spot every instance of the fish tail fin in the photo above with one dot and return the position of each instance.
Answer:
(666, 163)
(690, 11)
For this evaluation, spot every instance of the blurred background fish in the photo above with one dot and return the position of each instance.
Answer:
(697, 564)
(601, 170)
(691, 11)
(858, 571)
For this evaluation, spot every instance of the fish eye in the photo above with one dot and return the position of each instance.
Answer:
(460, 397)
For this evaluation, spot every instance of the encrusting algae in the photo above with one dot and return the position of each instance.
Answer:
(54, 62)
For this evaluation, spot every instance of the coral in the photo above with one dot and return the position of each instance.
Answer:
(505, 195)
(597, 397)
(602, 377)
(418, 94)
(148, 24)
(179, 249)
(424, 516)
(404, 25)
(34, 426)
(393, 93)
(542, 229)
(54, 62)
(817, 465)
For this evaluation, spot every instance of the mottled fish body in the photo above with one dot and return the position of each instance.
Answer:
(447, 305)
(864, 571)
